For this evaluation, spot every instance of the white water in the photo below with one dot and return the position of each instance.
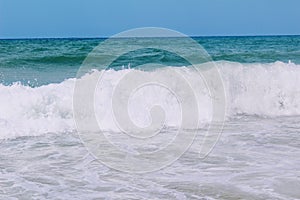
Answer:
(256, 157)
(267, 90)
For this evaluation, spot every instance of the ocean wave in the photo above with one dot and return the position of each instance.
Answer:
(266, 90)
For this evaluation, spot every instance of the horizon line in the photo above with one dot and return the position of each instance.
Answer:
(106, 37)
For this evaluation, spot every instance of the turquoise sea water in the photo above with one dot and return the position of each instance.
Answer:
(43, 61)
(256, 157)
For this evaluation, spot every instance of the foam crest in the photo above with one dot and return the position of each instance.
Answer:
(26, 111)
(268, 90)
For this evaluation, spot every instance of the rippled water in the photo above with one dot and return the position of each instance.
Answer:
(42, 61)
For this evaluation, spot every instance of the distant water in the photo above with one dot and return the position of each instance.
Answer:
(43, 61)
(257, 157)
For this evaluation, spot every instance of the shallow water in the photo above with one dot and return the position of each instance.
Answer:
(255, 158)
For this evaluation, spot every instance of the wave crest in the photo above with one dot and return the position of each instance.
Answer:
(268, 90)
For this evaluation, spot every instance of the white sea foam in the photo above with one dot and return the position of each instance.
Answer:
(268, 90)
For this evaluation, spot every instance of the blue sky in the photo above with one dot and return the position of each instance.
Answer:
(97, 18)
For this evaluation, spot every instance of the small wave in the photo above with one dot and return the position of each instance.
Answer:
(57, 59)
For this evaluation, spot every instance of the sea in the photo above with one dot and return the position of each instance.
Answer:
(255, 156)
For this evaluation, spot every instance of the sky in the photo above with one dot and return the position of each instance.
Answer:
(103, 18)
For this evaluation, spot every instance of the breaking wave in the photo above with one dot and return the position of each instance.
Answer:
(266, 90)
